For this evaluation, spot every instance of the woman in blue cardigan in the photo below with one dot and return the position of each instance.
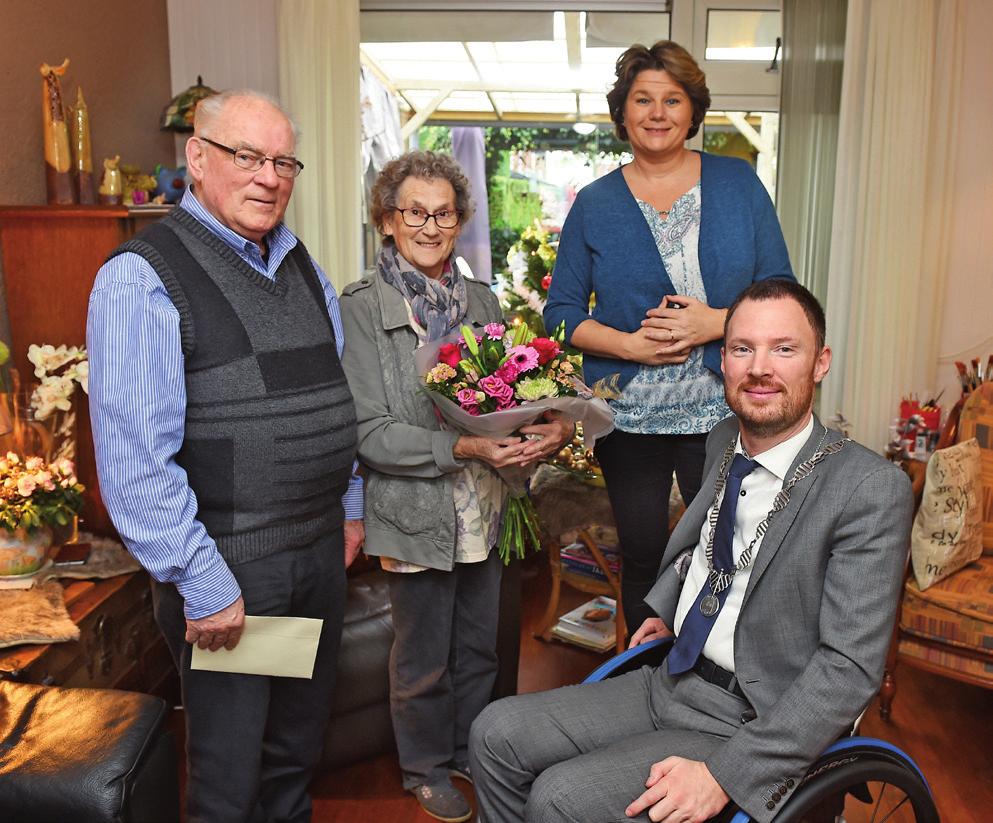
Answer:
(665, 244)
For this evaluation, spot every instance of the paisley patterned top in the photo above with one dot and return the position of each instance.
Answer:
(478, 495)
(684, 398)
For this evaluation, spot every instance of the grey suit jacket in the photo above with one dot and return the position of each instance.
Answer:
(811, 638)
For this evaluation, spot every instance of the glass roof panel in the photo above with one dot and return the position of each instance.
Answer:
(564, 103)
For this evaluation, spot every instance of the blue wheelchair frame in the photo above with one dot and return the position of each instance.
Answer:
(652, 654)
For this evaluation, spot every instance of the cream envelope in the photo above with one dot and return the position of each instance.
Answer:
(277, 646)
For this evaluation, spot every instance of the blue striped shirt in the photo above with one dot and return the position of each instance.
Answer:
(138, 409)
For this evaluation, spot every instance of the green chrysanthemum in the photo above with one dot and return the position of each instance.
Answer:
(536, 388)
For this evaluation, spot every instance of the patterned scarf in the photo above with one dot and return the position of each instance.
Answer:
(437, 305)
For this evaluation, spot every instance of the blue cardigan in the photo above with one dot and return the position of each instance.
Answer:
(607, 249)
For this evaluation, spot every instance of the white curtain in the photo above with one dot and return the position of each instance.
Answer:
(893, 191)
(813, 51)
(319, 84)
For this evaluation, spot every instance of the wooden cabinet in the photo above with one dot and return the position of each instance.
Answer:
(119, 647)
(50, 257)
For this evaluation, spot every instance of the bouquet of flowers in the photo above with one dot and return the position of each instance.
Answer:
(491, 384)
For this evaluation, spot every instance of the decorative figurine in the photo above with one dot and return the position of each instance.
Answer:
(171, 183)
(111, 188)
(137, 186)
(82, 155)
(58, 160)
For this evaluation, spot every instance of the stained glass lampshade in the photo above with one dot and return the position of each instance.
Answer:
(178, 115)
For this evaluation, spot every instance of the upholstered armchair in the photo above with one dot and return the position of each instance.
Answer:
(948, 628)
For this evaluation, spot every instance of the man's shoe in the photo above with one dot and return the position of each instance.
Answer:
(460, 772)
(443, 802)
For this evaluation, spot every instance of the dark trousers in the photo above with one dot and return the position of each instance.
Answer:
(443, 663)
(638, 471)
(253, 742)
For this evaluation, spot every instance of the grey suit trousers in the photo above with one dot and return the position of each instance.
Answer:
(582, 753)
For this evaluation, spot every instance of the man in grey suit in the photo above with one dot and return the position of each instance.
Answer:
(780, 582)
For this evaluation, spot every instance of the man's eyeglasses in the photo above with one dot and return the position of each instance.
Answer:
(249, 160)
(445, 219)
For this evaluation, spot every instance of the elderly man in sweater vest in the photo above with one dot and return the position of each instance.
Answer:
(225, 444)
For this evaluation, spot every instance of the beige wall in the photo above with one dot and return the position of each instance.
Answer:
(118, 52)
(967, 313)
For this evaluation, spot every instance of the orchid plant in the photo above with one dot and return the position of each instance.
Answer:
(59, 369)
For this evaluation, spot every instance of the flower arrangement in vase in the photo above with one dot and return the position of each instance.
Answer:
(35, 497)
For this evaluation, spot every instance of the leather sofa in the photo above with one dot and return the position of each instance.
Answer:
(360, 725)
(360, 720)
(85, 755)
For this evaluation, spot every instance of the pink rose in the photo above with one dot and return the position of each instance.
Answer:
(473, 410)
(507, 372)
(26, 485)
(496, 388)
(466, 397)
(506, 404)
(450, 354)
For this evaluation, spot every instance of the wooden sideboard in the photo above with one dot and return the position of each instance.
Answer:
(119, 647)
(50, 256)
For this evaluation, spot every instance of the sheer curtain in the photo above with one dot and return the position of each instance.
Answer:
(893, 195)
(319, 83)
(813, 52)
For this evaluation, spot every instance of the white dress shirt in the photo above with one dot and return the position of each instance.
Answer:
(758, 490)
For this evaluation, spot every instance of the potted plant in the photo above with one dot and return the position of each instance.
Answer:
(35, 497)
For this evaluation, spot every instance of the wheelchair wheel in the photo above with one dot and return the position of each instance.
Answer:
(861, 785)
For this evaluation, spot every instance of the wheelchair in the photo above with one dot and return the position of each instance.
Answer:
(856, 780)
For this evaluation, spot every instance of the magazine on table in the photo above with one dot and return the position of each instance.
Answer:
(592, 624)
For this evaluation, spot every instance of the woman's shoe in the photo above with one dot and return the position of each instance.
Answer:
(443, 802)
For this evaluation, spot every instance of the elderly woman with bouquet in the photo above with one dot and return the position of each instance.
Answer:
(433, 497)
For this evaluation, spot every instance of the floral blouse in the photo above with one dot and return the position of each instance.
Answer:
(684, 398)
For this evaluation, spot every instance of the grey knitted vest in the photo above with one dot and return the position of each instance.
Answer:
(270, 433)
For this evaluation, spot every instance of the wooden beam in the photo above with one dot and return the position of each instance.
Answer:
(373, 66)
(741, 124)
(573, 47)
(479, 76)
(420, 117)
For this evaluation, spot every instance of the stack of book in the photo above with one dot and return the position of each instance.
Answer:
(577, 558)
(591, 625)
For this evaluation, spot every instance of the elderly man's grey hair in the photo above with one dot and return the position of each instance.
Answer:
(211, 107)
